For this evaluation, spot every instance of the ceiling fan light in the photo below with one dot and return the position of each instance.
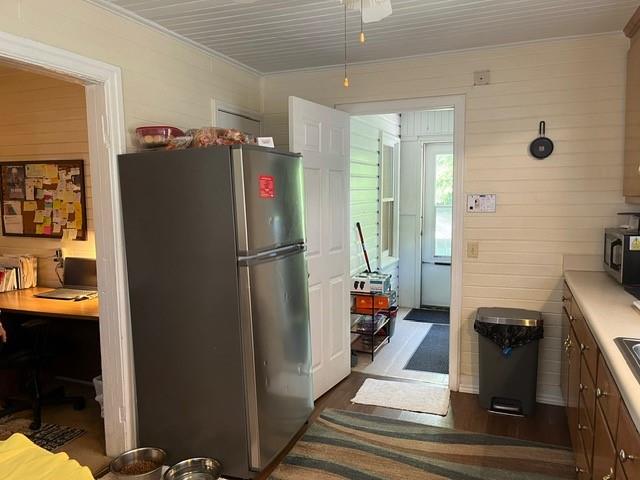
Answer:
(345, 82)
(363, 38)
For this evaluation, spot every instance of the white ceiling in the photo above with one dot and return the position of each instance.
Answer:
(276, 35)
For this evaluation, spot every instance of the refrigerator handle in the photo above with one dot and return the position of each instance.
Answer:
(272, 255)
(248, 359)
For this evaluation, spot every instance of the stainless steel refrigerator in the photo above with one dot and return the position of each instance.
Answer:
(219, 304)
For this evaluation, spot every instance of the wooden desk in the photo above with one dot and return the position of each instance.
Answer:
(24, 302)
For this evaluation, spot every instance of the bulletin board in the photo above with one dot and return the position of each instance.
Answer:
(44, 199)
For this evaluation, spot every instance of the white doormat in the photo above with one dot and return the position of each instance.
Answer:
(415, 397)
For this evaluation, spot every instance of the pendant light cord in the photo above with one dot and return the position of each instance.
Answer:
(345, 39)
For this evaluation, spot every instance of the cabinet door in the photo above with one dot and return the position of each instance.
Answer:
(628, 443)
(604, 451)
(573, 388)
(608, 396)
(631, 186)
(564, 358)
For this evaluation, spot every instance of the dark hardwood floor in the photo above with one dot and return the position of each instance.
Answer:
(548, 425)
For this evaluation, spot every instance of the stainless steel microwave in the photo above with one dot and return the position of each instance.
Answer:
(622, 255)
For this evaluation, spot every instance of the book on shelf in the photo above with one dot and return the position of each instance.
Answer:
(18, 271)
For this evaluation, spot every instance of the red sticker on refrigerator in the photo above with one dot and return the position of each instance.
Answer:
(267, 186)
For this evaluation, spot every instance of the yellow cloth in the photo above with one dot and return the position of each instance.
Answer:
(21, 459)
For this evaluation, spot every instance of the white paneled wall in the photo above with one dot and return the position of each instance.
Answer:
(165, 81)
(545, 208)
(43, 118)
(366, 131)
(417, 129)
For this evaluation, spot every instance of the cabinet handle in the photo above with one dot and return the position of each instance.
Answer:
(582, 427)
(600, 393)
(579, 470)
(610, 475)
(583, 347)
(582, 387)
(624, 456)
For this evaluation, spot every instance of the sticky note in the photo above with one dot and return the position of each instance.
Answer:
(71, 207)
(30, 206)
(69, 197)
(57, 228)
(39, 216)
(71, 224)
(51, 170)
(39, 193)
(47, 221)
(46, 229)
(39, 229)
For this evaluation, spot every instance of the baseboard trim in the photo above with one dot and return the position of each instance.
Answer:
(553, 395)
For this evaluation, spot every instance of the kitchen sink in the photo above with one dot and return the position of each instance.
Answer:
(630, 348)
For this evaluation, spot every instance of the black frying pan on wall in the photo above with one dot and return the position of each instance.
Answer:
(542, 146)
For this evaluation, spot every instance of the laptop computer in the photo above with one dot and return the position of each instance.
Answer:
(80, 281)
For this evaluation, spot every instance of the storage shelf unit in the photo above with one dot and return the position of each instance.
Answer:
(370, 321)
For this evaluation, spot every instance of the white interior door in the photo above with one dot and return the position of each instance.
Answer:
(321, 134)
(437, 221)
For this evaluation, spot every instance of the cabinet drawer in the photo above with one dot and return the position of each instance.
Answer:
(587, 387)
(587, 345)
(608, 396)
(604, 451)
(586, 430)
(628, 443)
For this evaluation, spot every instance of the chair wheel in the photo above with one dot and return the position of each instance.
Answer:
(79, 404)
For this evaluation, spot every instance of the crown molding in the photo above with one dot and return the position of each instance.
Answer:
(124, 13)
(633, 25)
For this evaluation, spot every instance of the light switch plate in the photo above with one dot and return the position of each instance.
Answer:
(473, 250)
(481, 203)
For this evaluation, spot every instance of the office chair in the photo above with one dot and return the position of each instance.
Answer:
(30, 359)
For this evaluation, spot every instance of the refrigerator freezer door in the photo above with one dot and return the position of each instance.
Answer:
(269, 199)
(275, 325)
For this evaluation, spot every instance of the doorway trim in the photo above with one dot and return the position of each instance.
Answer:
(107, 139)
(431, 103)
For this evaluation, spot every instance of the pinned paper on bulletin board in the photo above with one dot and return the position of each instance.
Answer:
(44, 199)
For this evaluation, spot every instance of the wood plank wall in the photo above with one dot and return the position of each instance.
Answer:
(366, 131)
(44, 118)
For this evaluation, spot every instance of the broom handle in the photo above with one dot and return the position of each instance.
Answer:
(364, 249)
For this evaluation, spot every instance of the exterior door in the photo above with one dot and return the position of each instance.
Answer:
(321, 134)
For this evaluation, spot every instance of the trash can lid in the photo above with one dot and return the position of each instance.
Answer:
(509, 316)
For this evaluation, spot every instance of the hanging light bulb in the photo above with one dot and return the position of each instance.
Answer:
(345, 82)
(363, 38)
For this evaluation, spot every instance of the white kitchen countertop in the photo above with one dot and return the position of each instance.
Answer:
(609, 314)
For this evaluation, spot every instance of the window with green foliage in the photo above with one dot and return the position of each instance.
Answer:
(443, 204)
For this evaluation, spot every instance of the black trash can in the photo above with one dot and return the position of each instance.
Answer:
(508, 348)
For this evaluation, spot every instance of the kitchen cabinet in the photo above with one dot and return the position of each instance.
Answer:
(605, 440)
(631, 185)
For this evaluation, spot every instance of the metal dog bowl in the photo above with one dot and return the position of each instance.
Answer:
(145, 454)
(195, 469)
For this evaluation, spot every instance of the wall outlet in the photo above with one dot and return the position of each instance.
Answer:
(58, 258)
(473, 249)
(481, 77)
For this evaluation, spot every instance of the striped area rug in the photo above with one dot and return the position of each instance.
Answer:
(354, 446)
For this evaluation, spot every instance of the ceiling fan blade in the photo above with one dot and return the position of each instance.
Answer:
(373, 10)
